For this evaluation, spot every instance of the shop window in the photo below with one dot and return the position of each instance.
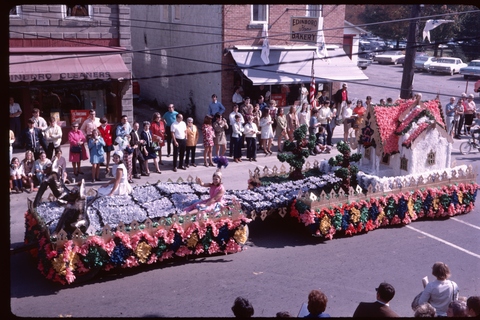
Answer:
(403, 163)
(431, 158)
(14, 11)
(78, 10)
(314, 10)
(259, 14)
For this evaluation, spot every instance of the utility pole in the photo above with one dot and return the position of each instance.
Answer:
(408, 66)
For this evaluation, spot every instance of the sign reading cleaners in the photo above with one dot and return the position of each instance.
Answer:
(60, 76)
(304, 29)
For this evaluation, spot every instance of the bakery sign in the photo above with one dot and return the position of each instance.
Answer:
(304, 29)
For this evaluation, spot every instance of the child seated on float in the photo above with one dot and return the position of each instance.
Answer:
(320, 143)
(16, 176)
(215, 201)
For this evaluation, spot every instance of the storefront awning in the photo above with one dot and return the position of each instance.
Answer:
(294, 65)
(63, 66)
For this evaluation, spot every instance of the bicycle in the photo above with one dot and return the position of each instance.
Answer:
(466, 147)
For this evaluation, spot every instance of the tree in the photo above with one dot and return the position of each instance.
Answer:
(297, 151)
(384, 13)
(347, 171)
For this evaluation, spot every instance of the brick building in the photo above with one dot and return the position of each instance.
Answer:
(185, 53)
(65, 58)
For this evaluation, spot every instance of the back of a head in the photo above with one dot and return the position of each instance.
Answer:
(425, 311)
(317, 302)
(242, 308)
(385, 291)
(458, 308)
(441, 271)
(473, 303)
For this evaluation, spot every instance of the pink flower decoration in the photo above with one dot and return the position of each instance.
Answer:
(130, 262)
(232, 246)
(199, 249)
(214, 248)
(69, 276)
(308, 218)
(167, 255)
(183, 251)
(153, 259)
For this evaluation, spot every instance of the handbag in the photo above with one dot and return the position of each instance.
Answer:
(415, 301)
(76, 149)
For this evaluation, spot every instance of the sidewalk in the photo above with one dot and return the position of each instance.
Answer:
(233, 179)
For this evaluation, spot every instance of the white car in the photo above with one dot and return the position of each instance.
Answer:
(423, 62)
(446, 65)
(389, 57)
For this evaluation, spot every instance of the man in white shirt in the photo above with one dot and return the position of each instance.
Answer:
(15, 123)
(39, 122)
(231, 122)
(53, 135)
(178, 131)
(237, 97)
(90, 123)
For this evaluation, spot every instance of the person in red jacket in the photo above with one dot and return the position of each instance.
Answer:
(106, 132)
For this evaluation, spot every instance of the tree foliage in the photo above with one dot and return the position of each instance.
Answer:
(297, 151)
(384, 13)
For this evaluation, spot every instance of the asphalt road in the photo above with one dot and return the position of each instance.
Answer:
(281, 263)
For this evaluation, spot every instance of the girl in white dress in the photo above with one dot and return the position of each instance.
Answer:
(119, 184)
(266, 131)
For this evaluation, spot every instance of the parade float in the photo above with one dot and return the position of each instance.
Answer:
(386, 182)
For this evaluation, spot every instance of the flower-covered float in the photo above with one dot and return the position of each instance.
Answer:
(401, 189)
(146, 227)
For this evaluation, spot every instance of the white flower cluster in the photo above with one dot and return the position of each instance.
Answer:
(388, 183)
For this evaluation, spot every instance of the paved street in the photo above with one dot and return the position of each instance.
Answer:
(282, 262)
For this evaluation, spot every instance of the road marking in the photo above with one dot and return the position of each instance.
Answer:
(445, 242)
(468, 224)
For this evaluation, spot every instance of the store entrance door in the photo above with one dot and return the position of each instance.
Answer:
(95, 99)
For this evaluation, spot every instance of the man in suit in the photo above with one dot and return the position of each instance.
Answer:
(137, 154)
(32, 139)
(379, 308)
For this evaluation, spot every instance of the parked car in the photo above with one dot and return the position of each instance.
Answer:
(363, 63)
(368, 55)
(472, 70)
(423, 62)
(446, 65)
(389, 57)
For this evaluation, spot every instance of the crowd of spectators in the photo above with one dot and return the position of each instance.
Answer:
(253, 127)
(440, 298)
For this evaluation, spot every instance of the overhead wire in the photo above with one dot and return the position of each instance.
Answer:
(229, 67)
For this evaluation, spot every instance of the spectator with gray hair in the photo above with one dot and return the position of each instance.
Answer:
(192, 140)
(425, 311)
(457, 309)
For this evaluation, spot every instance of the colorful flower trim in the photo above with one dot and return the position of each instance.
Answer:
(124, 250)
(394, 209)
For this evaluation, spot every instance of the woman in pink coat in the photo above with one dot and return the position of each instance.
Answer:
(76, 139)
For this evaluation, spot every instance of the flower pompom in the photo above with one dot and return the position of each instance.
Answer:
(220, 161)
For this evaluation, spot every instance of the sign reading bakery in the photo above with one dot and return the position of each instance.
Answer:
(303, 29)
